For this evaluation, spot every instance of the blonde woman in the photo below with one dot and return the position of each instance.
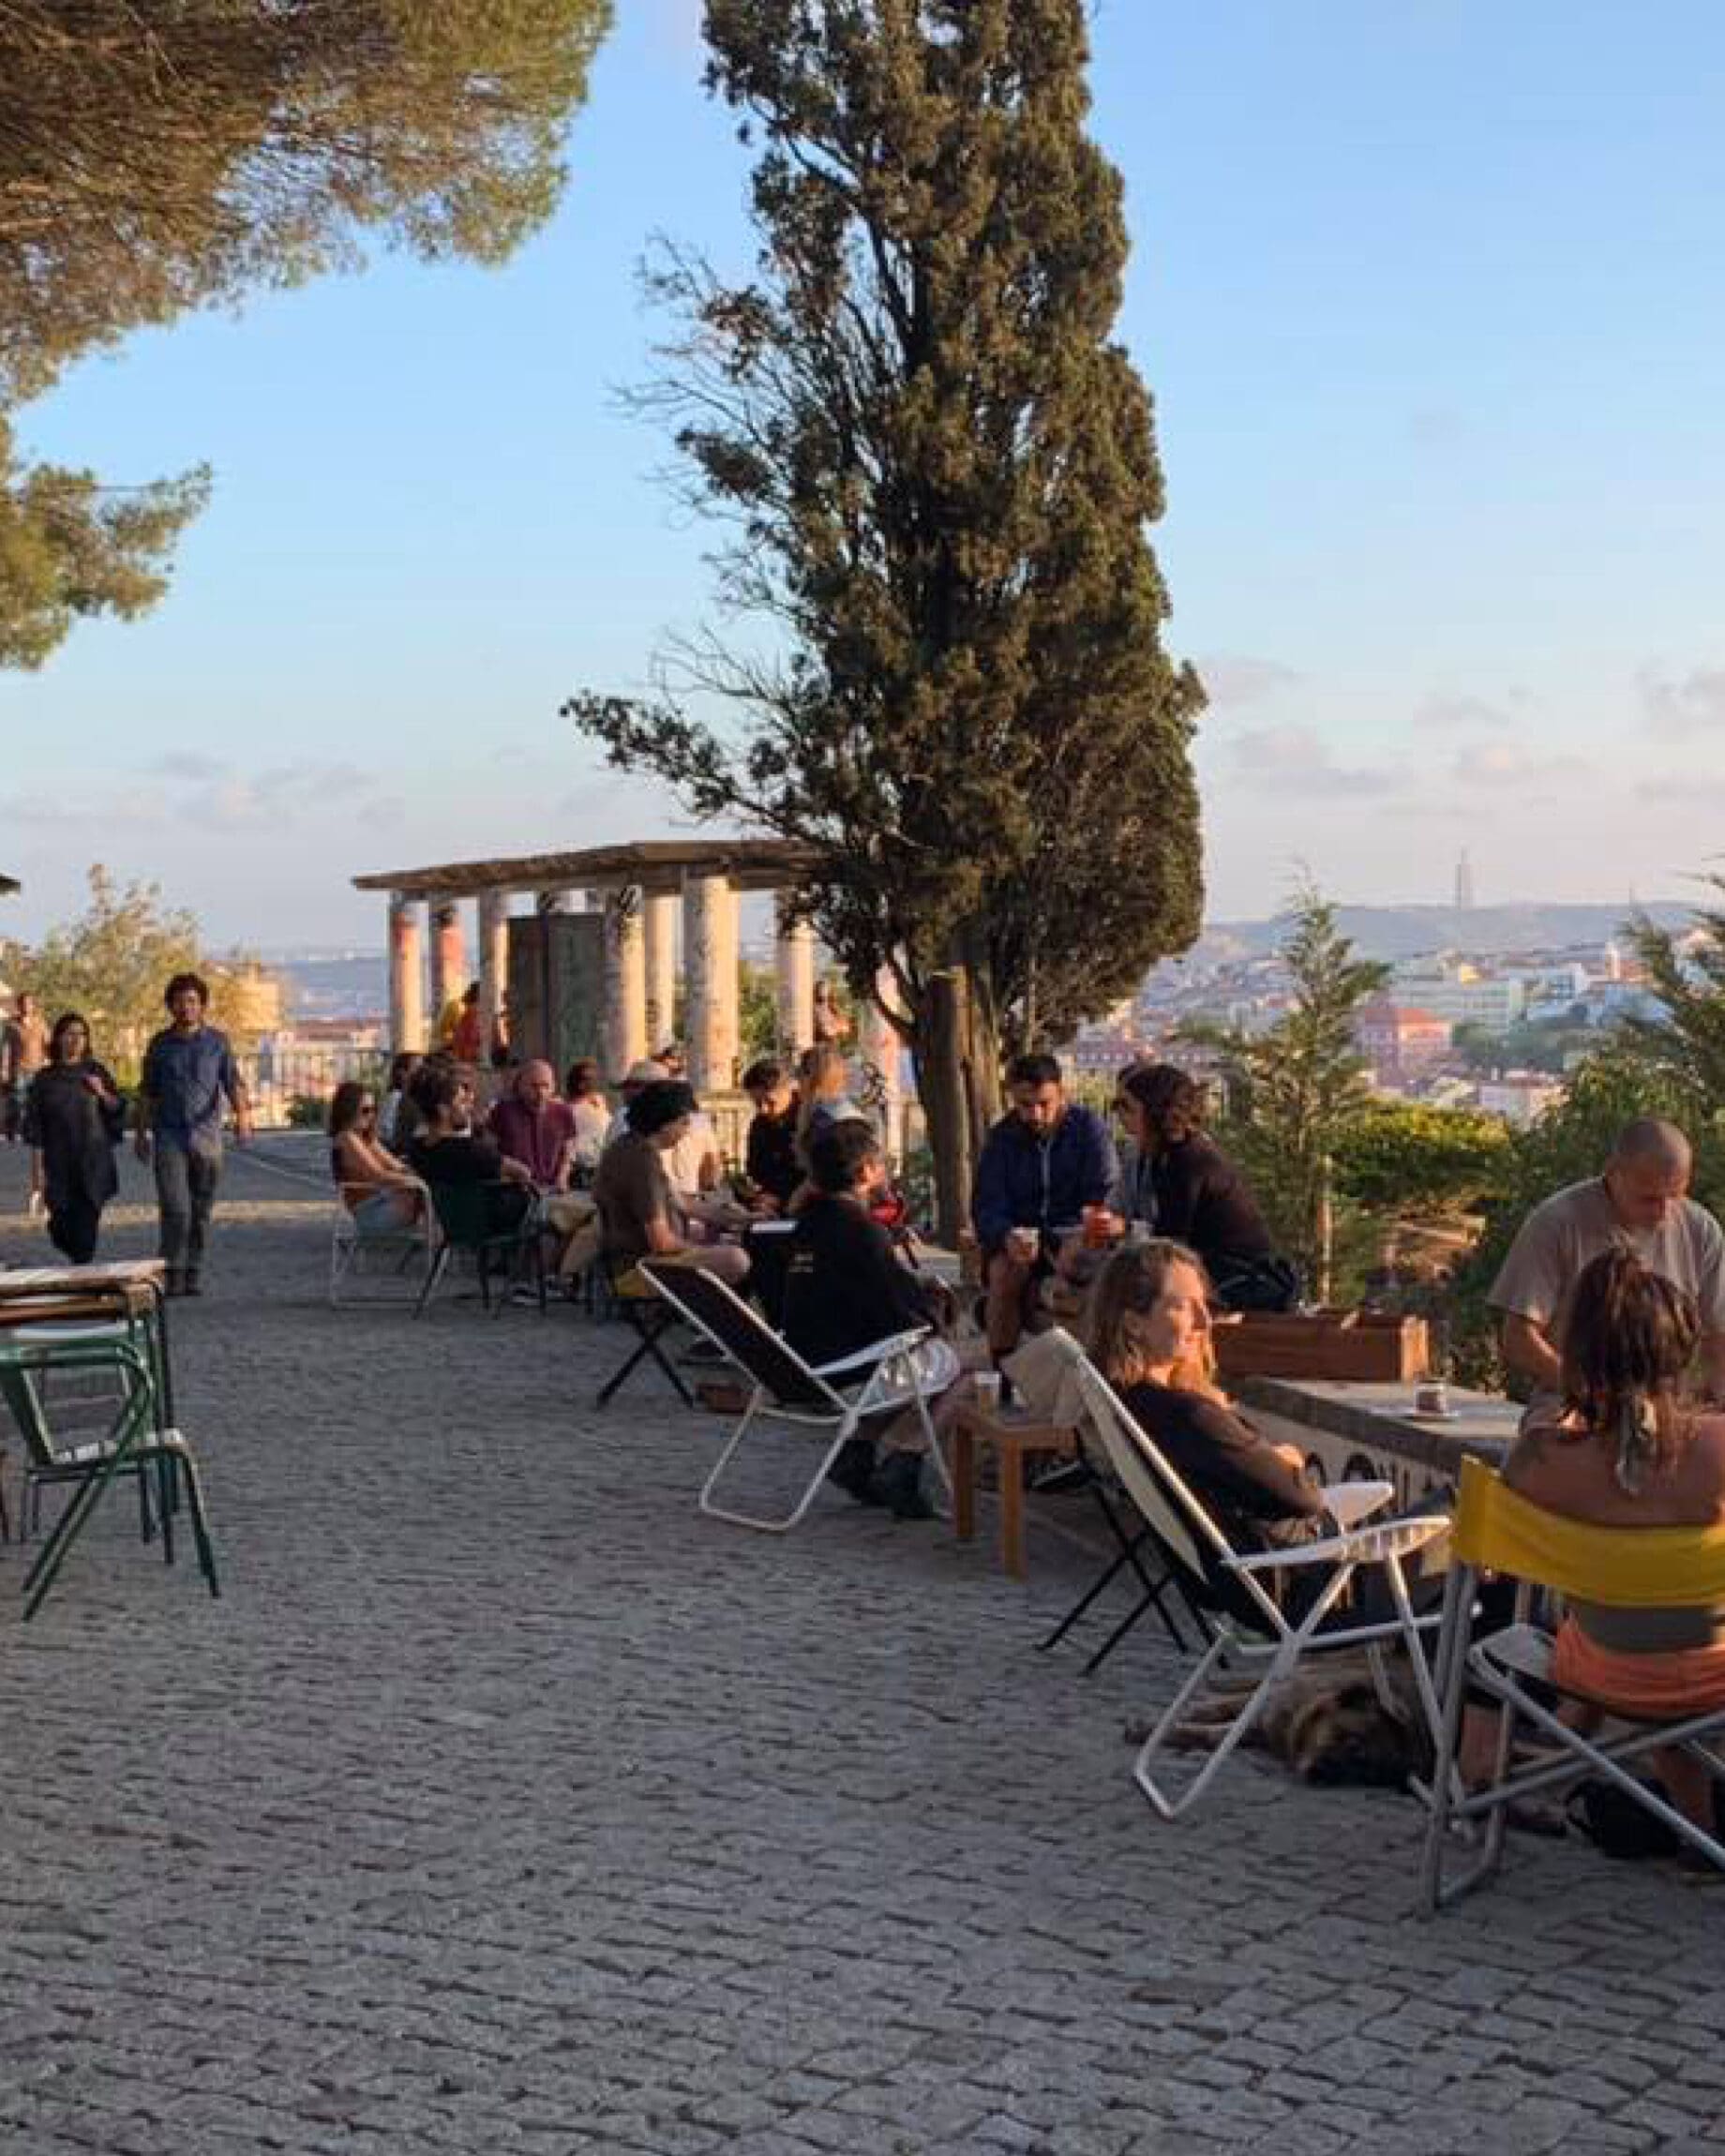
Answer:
(1147, 1330)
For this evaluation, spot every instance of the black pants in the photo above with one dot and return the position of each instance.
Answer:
(73, 1226)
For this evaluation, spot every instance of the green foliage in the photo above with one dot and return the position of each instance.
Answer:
(1296, 1090)
(70, 548)
(156, 157)
(1403, 1157)
(757, 1013)
(1685, 1044)
(940, 469)
(307, 1112)
(1554, 1049)
(111, 964)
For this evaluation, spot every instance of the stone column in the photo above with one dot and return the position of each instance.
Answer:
(493, 961)
(709, 975)
(659, 914)
(624, 1028)
(883, 1052)
(448, 953)
(794, 950)
(407, 979)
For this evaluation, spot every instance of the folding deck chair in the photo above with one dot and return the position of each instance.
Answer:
(400, 1245)
(464, 1222)
(831, 1400)
(134, 1443)
(1225, 1592)
(630, 1295)
(1497, 1530)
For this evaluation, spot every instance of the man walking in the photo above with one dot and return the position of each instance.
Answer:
(23, 1050)
(189, 1071)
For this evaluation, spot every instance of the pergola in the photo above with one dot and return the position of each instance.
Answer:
(644, 890)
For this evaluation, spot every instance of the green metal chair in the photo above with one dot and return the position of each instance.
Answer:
(134, 1443)
(469, 1218)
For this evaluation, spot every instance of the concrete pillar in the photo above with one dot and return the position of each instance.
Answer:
(883, 1054)
(625, 1025)
(493, 961)
(449, 975)
(407, 978)
(710, 975)
(659, 916)
(794, 953)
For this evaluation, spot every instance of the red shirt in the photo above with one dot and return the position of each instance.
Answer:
(534, 1136)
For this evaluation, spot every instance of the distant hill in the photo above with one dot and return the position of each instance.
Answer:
(350, 984)
(1405, 931)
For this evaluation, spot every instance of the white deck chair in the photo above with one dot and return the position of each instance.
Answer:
(1634, 1568)
(1225, 1589)
(395, 1250)
(830, 1401)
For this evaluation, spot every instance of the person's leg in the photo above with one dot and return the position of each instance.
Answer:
(174, 1206)
(1003, 1319)
(72, 1228)
(729, 1261)
(204, 1173)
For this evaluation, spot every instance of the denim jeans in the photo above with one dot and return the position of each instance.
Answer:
(186, 1180)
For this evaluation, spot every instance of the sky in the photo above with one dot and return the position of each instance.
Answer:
(1431, 296)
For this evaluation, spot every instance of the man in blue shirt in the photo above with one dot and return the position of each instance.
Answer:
(1043, 1163)
(189, 1073)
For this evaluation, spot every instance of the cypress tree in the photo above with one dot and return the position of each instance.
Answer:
(940, 467)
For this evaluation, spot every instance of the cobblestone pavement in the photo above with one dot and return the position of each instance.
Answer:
(503, 1805)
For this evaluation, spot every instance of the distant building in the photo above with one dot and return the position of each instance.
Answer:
(1465, 884)
(1456, 990)
(1520, 1099)
(1401, 1042)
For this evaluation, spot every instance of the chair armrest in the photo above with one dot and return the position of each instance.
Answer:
(1349, 1503)
(879, 1350)
(1363, 1546)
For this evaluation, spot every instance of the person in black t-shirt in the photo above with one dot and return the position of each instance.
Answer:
(770, 1152)
(1180, 1184)
(448, 1151)
(844, 1290)
(1148, 1332)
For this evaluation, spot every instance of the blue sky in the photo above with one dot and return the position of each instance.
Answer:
(1431, 295)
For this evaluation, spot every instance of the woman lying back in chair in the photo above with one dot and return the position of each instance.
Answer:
(1148, 1332)
(1627, 1451)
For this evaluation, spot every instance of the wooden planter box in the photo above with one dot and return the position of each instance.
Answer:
(1330, 1343)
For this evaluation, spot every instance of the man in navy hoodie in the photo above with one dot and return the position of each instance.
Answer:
(1044, 1162)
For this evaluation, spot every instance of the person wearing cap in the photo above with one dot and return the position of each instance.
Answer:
(637, 1076)
(639, 1214)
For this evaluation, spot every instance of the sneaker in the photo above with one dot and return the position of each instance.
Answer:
(1069, 1475)
(523, 1292)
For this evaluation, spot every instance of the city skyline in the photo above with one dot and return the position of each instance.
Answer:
(1430, 352)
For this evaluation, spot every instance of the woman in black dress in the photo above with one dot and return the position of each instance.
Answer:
(74, 1118)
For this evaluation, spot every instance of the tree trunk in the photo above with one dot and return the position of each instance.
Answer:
(957, 1058)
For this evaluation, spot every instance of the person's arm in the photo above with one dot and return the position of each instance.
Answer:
(1242, 1466)
(1101, 1164)
(1528, 1352)
(233, 1085)
(144, 1106)
(991, 1212)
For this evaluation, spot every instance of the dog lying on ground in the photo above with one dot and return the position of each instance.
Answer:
(1334, 1731)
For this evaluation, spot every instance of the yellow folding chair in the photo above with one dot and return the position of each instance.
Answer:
(1498, 1530)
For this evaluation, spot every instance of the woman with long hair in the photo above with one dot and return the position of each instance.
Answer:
(1178, 1183)
(73, 1119)
(1147, 1330)
(823, 1096)
(376, 1188)
(1626, 1449)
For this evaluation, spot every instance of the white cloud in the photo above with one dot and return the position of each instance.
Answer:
(1231, 678)
(1693, 704)
(1296, 759)
(1460, 711)
(1505, 768)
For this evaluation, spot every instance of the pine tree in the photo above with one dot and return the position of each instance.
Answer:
(940, 469)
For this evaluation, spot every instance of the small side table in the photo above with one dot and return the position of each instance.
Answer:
(1012, 1434)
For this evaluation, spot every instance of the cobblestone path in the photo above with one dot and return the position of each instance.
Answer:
(502, 1805)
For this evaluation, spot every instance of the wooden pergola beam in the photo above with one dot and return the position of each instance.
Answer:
(649, 864)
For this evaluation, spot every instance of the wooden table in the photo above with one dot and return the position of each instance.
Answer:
(1012, 1434)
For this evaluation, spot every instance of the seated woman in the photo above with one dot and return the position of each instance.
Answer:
(1147, 1330)
(448, 1150)
(378, 1189)
(639, 1214)
(1180, 1184)
(1626, 1450)
(585, 1094)
(844, 1290)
